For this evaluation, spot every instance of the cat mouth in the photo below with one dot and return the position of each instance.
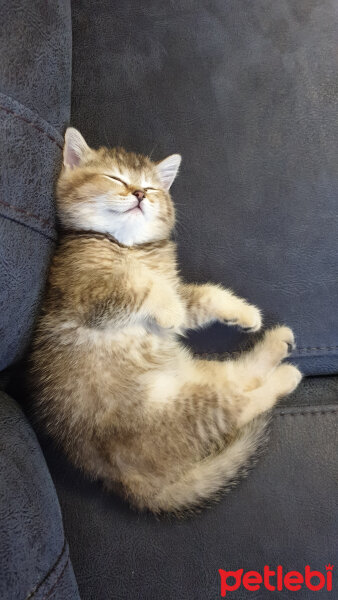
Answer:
(135, 209)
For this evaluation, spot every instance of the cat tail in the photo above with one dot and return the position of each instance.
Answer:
(208, 479)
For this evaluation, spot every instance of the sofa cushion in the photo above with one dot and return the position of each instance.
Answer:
(247, 92)
(34, 556)
(35, 71)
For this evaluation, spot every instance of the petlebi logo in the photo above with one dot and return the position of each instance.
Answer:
(275, 580)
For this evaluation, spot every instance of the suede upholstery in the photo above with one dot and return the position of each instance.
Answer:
(35, 78)
(34, 556)
(35, 50)
(246, 92)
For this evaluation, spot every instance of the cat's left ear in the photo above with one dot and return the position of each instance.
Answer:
(167, 169)
(75, 148)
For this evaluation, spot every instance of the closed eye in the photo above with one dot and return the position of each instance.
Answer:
(116, 179)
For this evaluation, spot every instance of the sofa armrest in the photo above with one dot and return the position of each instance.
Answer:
(35, 79)
(34, 556)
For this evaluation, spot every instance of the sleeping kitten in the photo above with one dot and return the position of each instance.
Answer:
(112, 383)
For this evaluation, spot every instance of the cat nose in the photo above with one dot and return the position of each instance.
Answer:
(139, 194)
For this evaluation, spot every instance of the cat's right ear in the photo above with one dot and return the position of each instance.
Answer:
(75, 148)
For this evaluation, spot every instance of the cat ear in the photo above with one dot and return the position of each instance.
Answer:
(167, 169)
(75, 148)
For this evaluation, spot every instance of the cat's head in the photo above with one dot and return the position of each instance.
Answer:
(116, 192)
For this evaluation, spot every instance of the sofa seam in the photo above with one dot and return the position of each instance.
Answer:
(36, 127)
(293, 355)
(49, 572)
(57, 580)
(306, 412)
(30, 227)
(25, 212)
(316, 348)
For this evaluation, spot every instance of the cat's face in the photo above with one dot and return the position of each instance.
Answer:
(116, 192)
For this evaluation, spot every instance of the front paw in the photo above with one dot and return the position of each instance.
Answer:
(248, 318)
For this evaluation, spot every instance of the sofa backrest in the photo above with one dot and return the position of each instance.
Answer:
(246, 92)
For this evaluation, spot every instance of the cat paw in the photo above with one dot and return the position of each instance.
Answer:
(286, 335)
(287, 378)
(249, 318)
(280, 340)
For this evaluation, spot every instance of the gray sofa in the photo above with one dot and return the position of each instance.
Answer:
(247, 92)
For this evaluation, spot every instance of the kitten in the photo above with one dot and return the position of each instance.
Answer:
(112, 383)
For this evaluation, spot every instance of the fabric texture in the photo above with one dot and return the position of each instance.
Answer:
(35, 66)
(246, 92)
(35, 77)
(284, 513)
(34, 556)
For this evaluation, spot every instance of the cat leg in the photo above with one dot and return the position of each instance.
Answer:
(251, 368)
(255, 386)
(281, 382)
(254, 382)
(192, 448)
(209, 303)
(200, 436)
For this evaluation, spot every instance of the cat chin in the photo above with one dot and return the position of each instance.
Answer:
(131, 232)
(129, 228)
(134, 227)
(130, 237)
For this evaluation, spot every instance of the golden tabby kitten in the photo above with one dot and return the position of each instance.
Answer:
(112, 383)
